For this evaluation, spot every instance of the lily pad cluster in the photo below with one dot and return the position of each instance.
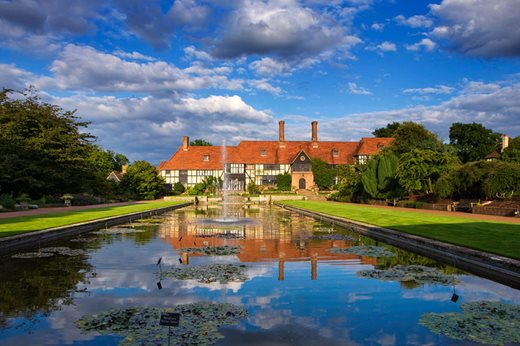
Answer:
(333, 236)
(214, 250)
(484, 322)
(198, 324)
(417, 273)
(118, 230)
(365, 250)
(222, 273)
(50, 252)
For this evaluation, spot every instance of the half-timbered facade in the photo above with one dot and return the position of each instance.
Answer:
(262, 161)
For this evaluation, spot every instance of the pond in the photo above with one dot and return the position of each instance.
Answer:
(270, 277)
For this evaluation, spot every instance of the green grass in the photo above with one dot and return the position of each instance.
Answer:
(29, 223)
(501, 238)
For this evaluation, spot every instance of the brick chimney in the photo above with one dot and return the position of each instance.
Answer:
(281, 132)
(185, 143)
(123, 169)
(505, 141)
(314, 134)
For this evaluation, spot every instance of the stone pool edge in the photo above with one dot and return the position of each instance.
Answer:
(24, 240)
(502, 269)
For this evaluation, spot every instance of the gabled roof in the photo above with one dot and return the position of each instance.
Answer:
(371, 146)
(115, 176)
(272, 152)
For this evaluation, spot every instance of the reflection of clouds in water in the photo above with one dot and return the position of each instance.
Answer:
(470, 288)
(252, 272)
(268, 319)
(415, 340)
(355, 297)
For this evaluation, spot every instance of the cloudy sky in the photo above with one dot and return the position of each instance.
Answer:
(147, 72)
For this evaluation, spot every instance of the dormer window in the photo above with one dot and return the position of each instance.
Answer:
(263, 152)
(335, 152)
(205, 158)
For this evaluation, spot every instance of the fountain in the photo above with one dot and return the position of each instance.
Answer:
(228, 186)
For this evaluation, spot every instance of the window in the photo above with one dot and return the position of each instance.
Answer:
(272, 167)
(263, 152)
(205, 158)
(362, 159)
(335, 152)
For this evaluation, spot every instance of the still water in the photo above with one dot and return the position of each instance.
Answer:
(298, 291)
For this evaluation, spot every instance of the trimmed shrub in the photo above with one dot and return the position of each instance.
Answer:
(283, 182)
(7, 201)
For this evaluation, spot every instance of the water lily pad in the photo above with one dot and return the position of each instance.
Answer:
(198, 324)
(416, 273)
(50, 252)
(33, 255)
(222, 273)
(119, 230)
(365, 250)
(333, 236)
(213, 250)
(484, 322)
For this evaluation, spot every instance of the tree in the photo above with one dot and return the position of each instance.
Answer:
(503, 181)
(419, 169)
(410, 136)
(44, 149)
(473, 141)
(349, 184)
(379, 179)
(283, 182)
(200, 143)
(142, 181)
(388, 131)
(512, 152)
(323, 174)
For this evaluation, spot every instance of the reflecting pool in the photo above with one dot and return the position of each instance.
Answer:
(298, 281)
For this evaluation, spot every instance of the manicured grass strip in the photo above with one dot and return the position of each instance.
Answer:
(21, 224)
(501, 238)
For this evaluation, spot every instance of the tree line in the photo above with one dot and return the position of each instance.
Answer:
(46, 152)
(419, 163)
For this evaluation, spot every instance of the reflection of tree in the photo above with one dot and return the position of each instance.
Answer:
(405, 257)
(39, 286)
(145, 237)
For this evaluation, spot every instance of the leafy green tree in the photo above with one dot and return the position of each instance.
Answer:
(323, 174)
(178, 188)
(419, 169)
(409, 136)
(142, 181)
(283, 182)
(349, 184)
(512, 152)
(503, 181)
(200, 143)
(473, 141)
(379, 179)
(44, 149)
(387, 131)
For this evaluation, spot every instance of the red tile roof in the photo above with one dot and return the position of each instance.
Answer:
(371, 146)
(250, 152)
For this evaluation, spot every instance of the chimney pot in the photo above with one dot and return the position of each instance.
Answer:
(185, 143)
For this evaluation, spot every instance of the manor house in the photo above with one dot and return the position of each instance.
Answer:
(261, 161)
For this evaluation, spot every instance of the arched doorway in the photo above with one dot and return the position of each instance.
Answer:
(301, 183)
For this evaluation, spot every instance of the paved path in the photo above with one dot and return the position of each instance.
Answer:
(449, 213)
(41, 211)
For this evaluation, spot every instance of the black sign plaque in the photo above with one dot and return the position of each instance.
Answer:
(170, 319)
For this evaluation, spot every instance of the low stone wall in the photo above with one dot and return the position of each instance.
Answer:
(183, 198)
(31, 239)
(273, 198)
(434, 206)
(496, 211)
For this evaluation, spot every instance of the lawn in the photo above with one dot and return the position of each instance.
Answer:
(21, 224)
(496, 237)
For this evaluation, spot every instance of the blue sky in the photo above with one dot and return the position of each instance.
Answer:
(145, 73)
